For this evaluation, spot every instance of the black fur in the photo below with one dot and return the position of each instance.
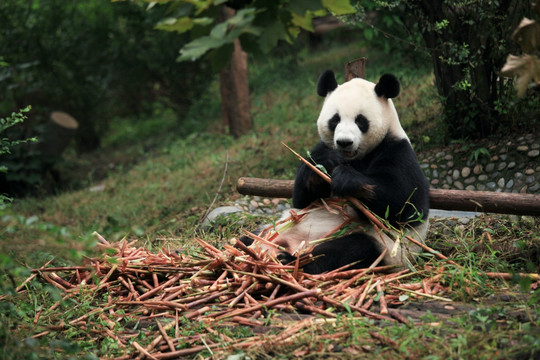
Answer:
(388, 86)
(391, 169)
(332, 254)
(398, 191)
(327, 83)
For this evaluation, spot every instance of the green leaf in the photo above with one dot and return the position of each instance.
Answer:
(304, 22)
(179, 25)
(339, 7)
(219, 31)
(270, 36)
(198, 47)
(368, 34)
(182, 24)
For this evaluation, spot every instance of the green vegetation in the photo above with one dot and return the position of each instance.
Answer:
(155, 184)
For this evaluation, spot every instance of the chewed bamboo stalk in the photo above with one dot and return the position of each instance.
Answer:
(227, 286)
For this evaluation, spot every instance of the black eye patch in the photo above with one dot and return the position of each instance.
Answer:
(333, 122)
(362, 123)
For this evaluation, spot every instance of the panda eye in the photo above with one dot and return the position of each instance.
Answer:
(362, 123)
(333, 122)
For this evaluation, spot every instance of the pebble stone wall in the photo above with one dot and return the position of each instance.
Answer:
(509, 165)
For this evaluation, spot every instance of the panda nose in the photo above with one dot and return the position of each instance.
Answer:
(344, 144)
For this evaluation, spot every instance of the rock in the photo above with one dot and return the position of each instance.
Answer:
(482, 177)
(510, 184)
(490, 167)
(478, 169)
(501, 183)
(534, 188)
(455, 174)
(529, 172)
(470, 180)
(522, 148)
(503, 157)
(459, 185)
(466, 171)
(470, 187)
(523, 190)
(501, 166)
(511, 165)
(214, 215)
(529, 179)
(491, 185)
(533, 153)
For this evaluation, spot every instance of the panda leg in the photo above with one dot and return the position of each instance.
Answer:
(356, 248)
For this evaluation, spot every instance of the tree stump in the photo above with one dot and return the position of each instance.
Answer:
(59, 131)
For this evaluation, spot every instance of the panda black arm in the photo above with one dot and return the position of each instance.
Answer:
(308, 186)
(393, 177)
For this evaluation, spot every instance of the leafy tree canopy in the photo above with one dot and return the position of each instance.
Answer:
(259, 24)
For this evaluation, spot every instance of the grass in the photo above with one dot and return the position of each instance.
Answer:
(155, 178)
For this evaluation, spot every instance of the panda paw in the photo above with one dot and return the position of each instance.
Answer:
(285, 258)
(346, 181)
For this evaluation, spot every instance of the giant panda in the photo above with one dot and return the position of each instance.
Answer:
(369, 157)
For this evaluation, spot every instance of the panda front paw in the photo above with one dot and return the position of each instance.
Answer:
(346, 181)
(285, 258)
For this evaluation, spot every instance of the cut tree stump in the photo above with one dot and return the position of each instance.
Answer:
(462, 200)
(59, 131)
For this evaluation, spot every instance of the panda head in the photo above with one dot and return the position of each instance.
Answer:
(357, 115)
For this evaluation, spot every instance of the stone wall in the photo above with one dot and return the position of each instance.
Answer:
(505, 164)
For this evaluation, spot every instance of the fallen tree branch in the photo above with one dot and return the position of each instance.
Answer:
(463, 200)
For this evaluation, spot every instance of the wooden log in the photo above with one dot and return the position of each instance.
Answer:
(462, 200)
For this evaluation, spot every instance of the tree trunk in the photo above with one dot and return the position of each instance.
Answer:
(234, 88)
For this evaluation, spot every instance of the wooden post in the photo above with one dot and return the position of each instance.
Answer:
(234, 88)
(355, 69)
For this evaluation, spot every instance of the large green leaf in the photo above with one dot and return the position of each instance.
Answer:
(304, 22)
(339, 7)
(198, 47)
(270, 36)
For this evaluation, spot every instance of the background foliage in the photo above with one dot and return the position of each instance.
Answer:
(91, 58)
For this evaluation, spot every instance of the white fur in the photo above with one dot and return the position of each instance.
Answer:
(319, 222)
(350, 99)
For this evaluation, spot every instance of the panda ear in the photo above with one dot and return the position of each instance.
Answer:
(388, 86)
(327, 83)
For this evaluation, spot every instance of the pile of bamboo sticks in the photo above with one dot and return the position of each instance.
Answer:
(215, 287)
